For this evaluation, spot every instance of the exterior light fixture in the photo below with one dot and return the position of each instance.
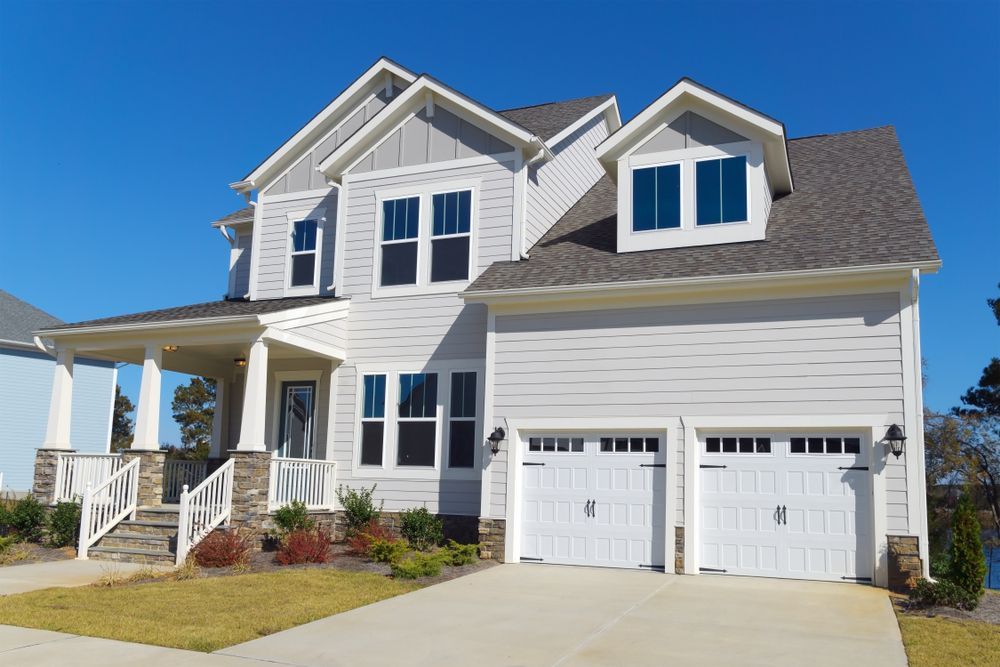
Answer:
(894, 436)
(240, 362)
(169, 348)
(495, 438)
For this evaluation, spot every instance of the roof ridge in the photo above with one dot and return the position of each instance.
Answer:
(888, 126)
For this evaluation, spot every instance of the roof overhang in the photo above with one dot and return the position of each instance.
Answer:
(609, 108)
(689, 93)
(425, 91)
(372, 78)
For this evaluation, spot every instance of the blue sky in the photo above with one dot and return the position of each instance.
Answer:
(122, 123)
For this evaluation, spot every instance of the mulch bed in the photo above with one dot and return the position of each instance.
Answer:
(988, 610)
(36, 553)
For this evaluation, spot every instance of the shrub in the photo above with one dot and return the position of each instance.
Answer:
(359, 507)
(942, 593)
(360, 541)
(26, 518)
(305, 546)
(387, 551)
(939, 565)
(64, 524)
(223, 548)
(292, 517)
(421, 529)
(966, 561)
(6, 543)
(417, 565)
(457, 555)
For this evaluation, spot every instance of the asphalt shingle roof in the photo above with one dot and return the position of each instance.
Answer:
(548, 120)
(18, 319)
(198, 311)
(242, 215)
(853, 205)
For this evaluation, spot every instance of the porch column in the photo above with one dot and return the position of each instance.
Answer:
(219, 418)
(61, 405)
(254, 400)
(147, 414)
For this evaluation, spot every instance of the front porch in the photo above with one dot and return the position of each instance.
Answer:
(270, 433)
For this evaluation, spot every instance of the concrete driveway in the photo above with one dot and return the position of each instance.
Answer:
(530, 615)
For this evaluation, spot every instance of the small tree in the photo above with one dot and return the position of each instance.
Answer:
(966, 561)
(193, 409)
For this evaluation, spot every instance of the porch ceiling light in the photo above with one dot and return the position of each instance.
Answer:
(169, 348)
(894, 436)
(496, 437)
(240, 362)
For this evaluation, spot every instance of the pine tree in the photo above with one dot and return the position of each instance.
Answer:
(967, 563)
(121, 423)
(193, 409)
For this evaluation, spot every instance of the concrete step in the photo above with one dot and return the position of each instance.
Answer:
(127, 555)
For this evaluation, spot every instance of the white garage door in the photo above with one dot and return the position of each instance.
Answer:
(789, 505)
(594, 499)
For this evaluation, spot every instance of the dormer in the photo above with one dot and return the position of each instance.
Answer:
(695, 168)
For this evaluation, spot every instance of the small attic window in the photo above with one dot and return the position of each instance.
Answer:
(656, 198)
(721, 186)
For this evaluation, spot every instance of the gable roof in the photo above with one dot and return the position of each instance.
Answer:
(18, 319)
(854, 205)
(550, 118)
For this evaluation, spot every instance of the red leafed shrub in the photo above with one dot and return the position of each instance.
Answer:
(305, 546)
(223, 548)
(361, 542)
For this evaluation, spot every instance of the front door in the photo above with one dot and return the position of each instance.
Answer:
(298, 408)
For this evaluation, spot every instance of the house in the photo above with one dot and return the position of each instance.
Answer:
(26, 372)
(683, 343)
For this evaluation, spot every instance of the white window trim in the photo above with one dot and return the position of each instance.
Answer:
(389, 468)
(319, 215)
(425, 193)
(281, 377)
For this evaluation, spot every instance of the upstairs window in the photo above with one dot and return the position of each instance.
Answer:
(417, 432)
(721, 190)
(303, 256)
(656, 198)
(452, 213)
(400, 244)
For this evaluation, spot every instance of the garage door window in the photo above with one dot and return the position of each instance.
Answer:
(629, 445)
(737, 445)
(817, 445)
(556, 444)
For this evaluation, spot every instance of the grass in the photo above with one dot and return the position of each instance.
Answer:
(200, 614)
(939, 641)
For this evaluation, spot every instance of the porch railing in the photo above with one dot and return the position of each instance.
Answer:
(204, 508)
(177, 474)
(107, 504)
(306, 480)
(75, 471)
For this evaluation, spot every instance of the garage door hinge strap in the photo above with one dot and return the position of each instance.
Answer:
(710, 466)
(533, 560)
(856, 578)
(710, 569)
(652, 465)
(531, 463)
(853, 468)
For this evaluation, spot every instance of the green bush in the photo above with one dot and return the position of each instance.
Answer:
(27, 518)
(64, 525)
(457, 555)
(966, 561)
(417, 565)
(359, 507)
(6, 543)
(942, 593)
(939, 565)
(421, 529)
(290, 518)
(386, 551)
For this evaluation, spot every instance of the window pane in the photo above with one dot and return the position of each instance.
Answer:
(374, 397)
(562, 444)
(815, 445)
(399, 264)
(461, 448)
(606, 445)
(621, 444)
(729, 445)
(417, 395)
(371, 443)
(746, 445)
(450, 259)
(668, 196)
(713, 445)
(643, 199)
(304, 235)
(852, 446)
(709, 192)
(548, 444)
(534, 444)
(416, 443)
(763, 445)
(734, 189)
(463, 395)
(635, 445)
(303, 269)
(834, 446)
(400, 219)
(464, 211)
(798, 445)
(652, 444)
(438, 204)
(577, 444)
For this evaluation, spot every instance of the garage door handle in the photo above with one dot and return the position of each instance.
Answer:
(593, 508)
(586, 508)
(777, 514)
(784, 515)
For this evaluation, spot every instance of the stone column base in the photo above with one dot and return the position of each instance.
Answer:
(678, 549)
(905, 566)
(150, 475)
(43, 486)
(492, 535)
(251, 479)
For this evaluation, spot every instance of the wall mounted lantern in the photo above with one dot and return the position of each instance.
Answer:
(495, 438)
(240, 362)
(894, 436)
(169, 348)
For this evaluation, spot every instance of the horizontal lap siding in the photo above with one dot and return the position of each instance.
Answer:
(241, 267)
(274, 245)
(824, 356)
(555, 186)
(329, 333)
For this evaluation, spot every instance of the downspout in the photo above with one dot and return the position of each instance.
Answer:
(924, 547)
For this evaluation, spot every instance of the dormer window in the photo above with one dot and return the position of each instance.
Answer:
(305, 238)
(721, 186)
(656, 198)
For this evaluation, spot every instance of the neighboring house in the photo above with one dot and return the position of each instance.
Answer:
(693, 331)
(26, 388)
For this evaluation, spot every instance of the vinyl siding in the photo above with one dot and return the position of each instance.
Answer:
(25, 394)
(273, 238)
(241, 265)
(329, 333)
(824, 356)
(554, 187)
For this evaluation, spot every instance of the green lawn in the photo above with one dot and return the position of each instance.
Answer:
(200, 614)
(941, 642)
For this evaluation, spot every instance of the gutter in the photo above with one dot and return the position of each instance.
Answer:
(166, 324)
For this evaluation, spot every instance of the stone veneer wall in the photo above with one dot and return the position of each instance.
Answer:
(492, 535)
(905, 566)
(251, 477)
(679, 549)
(150, 475)
(43, 486)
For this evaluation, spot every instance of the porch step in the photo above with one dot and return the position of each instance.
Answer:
(127, 540)
(131, 555)
(149, 527)
(171, 514)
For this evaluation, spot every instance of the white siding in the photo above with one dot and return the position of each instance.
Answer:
(272, 255)
(554, 187)
(824, 356)
(240, 263)
(329, 333)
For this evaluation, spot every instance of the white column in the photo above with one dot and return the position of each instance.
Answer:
(254, 400)
(218, 418)
(61, 405)
(147, 414)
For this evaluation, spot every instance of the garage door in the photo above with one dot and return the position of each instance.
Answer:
(789, 505)
(594, 499)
